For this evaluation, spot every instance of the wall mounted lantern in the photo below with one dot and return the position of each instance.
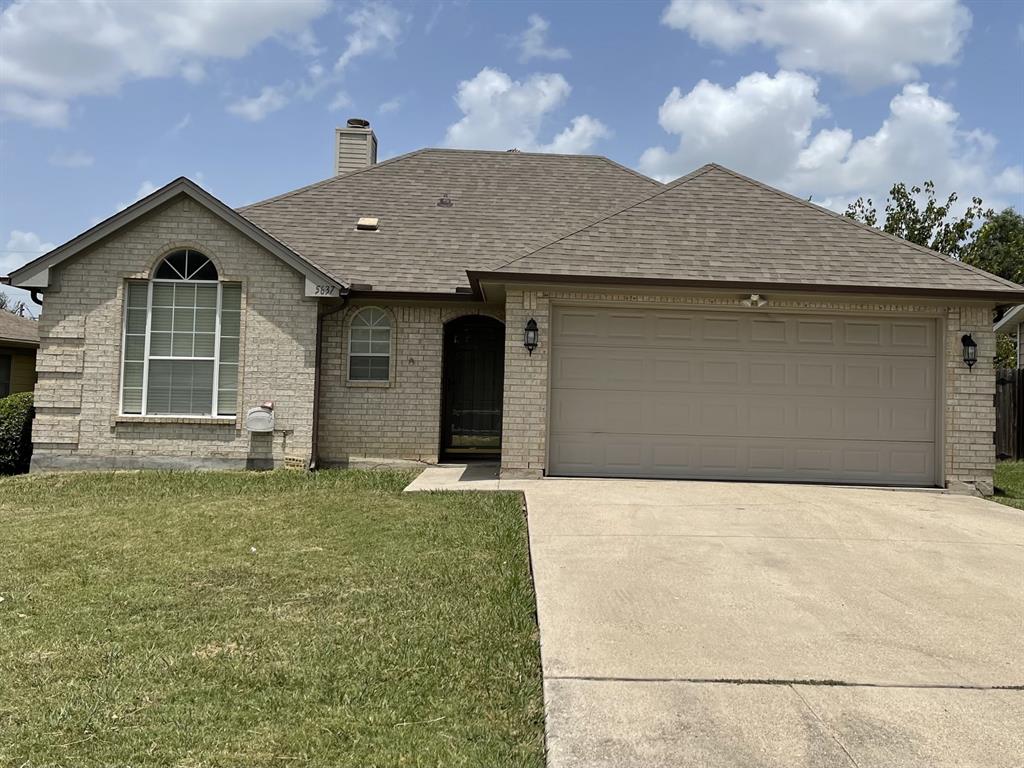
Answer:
(530, 335)
(970, 350)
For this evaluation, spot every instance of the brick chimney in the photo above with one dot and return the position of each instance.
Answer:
(355, 146)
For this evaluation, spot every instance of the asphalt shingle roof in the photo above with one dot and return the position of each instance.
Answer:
(574, 215)
(717, 225)
(20, 329)
(504, 204)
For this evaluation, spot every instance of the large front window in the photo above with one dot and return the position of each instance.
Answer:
(181, 341)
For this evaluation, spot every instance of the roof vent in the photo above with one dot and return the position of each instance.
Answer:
(368, 224)
(445, 201)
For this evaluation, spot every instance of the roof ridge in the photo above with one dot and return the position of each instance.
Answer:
(866, 227)
(324, 182)
(452, 150)
(510, 153)
(626, 168)
(604, 217)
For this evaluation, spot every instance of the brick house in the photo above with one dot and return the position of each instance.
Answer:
(19, 340)
(562, 313)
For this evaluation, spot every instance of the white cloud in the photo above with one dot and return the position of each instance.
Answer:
(391, 105)
(193, 71)
(75, 158)
(50, 113)
(270, 99)
(145, 189)
(502, 113)
(375, 26)
(760, 125)
(341, 100)
(921, 138)
(581, 134)
(52, 51)
(868, 42)
(21, 248)
(181, 125)
(533, 44)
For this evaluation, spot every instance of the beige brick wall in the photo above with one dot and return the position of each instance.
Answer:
(969, 420)
(524, 416)
(366, 421)
(77, 424)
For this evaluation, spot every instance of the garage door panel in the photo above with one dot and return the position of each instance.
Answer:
(663, 393)
(872, 462)
(767, 332)
(679, 370)
(737, 415)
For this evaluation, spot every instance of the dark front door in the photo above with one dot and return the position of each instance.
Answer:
(473, 373)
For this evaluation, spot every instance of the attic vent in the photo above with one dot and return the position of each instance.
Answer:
(368, 224)
(445, 201)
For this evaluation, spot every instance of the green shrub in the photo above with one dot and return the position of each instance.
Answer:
(15, 433)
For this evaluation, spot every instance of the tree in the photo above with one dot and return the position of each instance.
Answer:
(998, 246)
(7, 304)
(1006, 351)
(930, 225)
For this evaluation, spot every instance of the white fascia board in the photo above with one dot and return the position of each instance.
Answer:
(1010, 320)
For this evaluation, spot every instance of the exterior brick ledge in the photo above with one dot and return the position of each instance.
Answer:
(213, 420)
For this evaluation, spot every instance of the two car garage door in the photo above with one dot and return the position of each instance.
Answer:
(752, 395)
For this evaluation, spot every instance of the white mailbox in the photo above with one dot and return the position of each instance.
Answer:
(260, 418)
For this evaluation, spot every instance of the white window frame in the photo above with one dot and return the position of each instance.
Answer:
(147, 357)
(391, 341)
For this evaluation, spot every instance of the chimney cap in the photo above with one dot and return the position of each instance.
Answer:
(358, 122)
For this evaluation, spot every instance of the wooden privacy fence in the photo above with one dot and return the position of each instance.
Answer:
(1010, 414)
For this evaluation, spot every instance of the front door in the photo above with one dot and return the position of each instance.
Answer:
(472, 384)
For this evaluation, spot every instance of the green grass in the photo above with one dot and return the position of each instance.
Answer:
(1009, 483)
(274, 619)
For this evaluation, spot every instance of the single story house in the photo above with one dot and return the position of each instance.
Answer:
(564, 314)
(1011, 322)
(19, 340)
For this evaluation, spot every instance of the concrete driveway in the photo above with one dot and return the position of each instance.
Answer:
(729, 624)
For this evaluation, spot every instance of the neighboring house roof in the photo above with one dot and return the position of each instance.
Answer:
(1010, 320)
(502, 204)
(20, 330)
(717, 227)
(35, 273)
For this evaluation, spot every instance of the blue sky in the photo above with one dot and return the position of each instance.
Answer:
(103, 102)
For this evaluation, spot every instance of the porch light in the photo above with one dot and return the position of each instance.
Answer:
(970, 350)
(530, 335)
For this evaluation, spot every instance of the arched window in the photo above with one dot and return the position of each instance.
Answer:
(369, 345)
(181, 341)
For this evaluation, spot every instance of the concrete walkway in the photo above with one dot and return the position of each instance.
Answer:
(732, 624)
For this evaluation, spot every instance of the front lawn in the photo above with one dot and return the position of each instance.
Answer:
(1009, 482)
(274, 619)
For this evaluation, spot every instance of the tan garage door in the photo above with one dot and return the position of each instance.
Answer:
(753, 395)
